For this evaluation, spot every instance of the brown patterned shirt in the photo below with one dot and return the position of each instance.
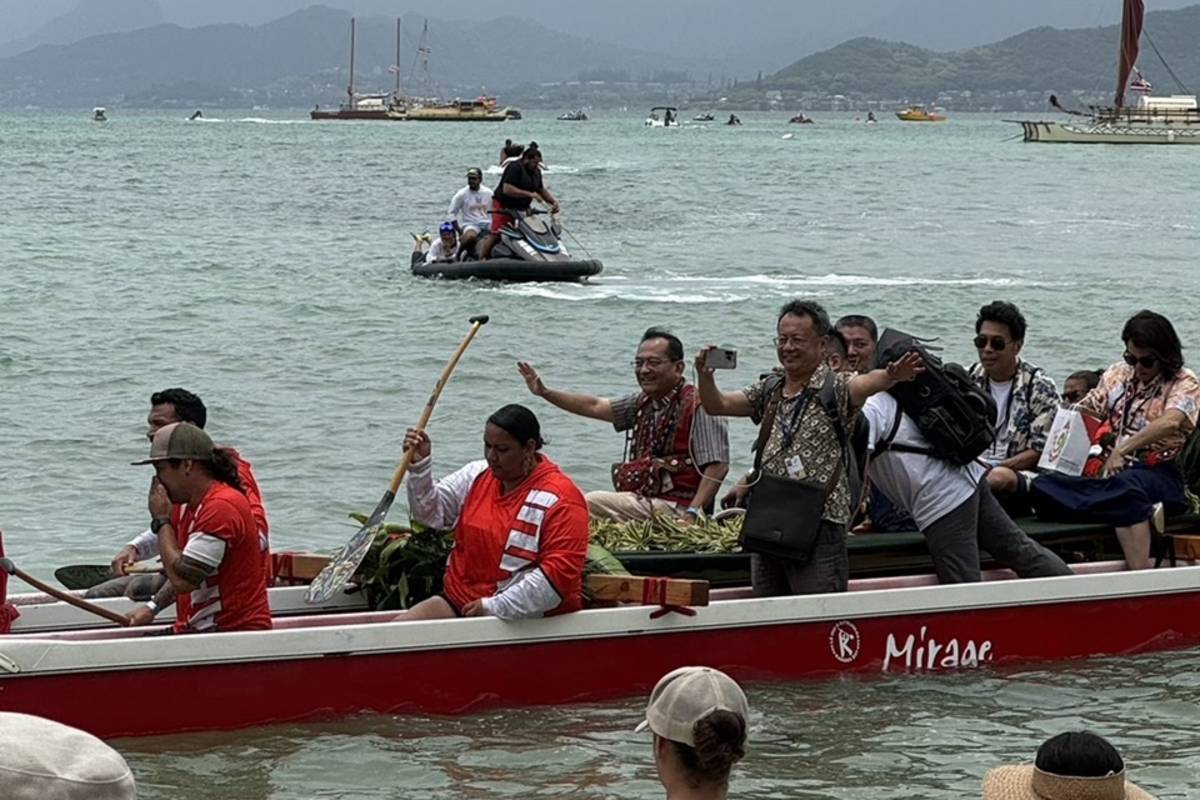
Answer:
(813, 437)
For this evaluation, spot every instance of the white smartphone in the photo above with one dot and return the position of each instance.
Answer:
(721, 358)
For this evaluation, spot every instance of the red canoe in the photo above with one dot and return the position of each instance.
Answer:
(334, 664)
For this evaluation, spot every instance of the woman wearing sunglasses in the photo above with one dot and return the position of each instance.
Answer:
(1151, 402)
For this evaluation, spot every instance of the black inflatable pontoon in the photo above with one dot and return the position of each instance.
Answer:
(511, 270)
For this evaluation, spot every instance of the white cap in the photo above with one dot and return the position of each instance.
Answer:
(687, 695)
(45, 760)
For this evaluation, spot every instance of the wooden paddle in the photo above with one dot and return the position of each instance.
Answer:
(345, 561)
(8, 566)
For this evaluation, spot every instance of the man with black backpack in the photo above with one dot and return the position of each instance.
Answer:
(926, 437)
(800, 495)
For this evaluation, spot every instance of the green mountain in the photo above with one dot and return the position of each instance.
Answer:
(1041, 60)
(302, 59)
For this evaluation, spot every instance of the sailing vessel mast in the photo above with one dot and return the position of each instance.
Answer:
(1132, 17)
(396, 63)
(350, 87)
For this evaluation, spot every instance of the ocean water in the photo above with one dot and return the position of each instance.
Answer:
(262, 261)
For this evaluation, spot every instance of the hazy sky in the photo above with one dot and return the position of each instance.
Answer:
(773, 30)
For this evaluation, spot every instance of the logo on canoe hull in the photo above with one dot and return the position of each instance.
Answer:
(844, 641)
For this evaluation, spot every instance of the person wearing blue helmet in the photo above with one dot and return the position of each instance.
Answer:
(444, 248)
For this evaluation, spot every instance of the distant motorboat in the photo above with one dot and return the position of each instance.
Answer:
(99, 114)
(705, 117)
(919, 114)
(800, 119)
(579, 115)
(669, 118)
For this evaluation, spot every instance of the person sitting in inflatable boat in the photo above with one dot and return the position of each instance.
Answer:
(444, 249)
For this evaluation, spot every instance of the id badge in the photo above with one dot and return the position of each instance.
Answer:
(795, 468)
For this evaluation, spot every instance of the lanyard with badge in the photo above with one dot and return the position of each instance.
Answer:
(788, 428)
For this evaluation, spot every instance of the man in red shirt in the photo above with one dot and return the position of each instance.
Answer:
(166, 407)
(207, 535)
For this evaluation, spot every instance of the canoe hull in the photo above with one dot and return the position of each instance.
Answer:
(360, 664)
(1108, 133)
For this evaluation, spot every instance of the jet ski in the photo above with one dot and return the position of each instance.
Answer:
(530, 250)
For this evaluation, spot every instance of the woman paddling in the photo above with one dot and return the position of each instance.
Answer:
(520, 525)
(1152, 402)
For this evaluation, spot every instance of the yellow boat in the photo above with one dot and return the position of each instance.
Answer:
(919, 114)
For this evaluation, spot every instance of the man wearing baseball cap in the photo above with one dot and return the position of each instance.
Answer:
(208, 540)
(174, 405)
(470, 210)
(699, 717)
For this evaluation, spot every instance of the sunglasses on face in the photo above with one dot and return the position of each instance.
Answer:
(1073, 397)
(998, 343)
(1148, 362)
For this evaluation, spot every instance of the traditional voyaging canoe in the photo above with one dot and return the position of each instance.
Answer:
(333, 664)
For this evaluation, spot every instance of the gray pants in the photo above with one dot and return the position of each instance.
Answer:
(135, 587)
(827, 571)
(981, 524)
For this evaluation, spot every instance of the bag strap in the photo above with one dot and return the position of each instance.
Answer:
(768, 420)
(889, 442)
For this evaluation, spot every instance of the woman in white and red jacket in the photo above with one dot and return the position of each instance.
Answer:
(520, 525)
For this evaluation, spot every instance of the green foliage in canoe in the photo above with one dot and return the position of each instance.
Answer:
(666, 534)
(405, 564)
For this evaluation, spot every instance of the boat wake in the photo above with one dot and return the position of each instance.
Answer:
(548, 169)
(690, 290)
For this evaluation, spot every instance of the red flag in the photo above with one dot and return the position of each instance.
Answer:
(1131, 33)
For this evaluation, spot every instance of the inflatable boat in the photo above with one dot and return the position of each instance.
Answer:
(529, 251)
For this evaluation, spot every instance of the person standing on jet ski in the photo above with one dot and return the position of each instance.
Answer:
(519, 186)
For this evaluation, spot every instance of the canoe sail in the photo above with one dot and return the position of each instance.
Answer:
(1131, 34)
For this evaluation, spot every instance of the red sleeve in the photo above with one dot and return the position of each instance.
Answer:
(253, 494)
(220, 518)
(563, 548)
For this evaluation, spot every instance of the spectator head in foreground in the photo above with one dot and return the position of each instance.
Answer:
(1077, 765)
(43, 760)
(699, 717)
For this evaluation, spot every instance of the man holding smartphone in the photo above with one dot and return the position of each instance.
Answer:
(676, 454)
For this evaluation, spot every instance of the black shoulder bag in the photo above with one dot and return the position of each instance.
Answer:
(783, 518)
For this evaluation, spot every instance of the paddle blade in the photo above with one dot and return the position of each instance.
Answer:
(344, 562)
(83, 576)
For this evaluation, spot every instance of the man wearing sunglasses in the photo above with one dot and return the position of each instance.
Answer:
(676, 455)
(1026, 401)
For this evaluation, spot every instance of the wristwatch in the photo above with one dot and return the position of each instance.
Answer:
(158, 522)
(695, 512)
(153, 606)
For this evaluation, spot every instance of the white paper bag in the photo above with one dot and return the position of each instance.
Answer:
(1068, 444)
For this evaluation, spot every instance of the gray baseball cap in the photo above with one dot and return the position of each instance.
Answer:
(689, 694)
(40, 758)
(179, 440)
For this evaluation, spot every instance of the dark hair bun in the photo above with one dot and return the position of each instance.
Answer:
(720, 743)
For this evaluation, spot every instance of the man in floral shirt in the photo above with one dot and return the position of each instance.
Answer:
(1026, 401)
(806, 440)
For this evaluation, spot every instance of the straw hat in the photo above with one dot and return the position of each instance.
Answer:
(1027, 782)
(45, 760)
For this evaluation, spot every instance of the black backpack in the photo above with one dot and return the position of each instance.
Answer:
(949, 408)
